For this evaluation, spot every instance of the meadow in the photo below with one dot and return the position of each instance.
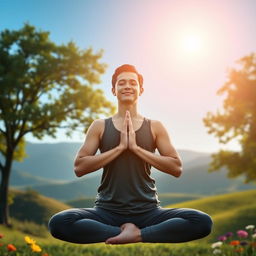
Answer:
(230, 212)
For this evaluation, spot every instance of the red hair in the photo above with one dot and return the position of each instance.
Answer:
(126, 68)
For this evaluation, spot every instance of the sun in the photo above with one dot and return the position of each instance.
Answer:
(192, 43)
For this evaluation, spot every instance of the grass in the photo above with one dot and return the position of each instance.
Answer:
(230, 212)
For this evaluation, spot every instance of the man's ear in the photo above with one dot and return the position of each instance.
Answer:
(113, 91)
(141, 90)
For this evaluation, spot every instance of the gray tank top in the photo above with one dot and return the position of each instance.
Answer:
(126, 185)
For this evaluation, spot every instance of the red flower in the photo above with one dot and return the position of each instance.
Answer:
(1, 235)
(11, 247)
(235, 242)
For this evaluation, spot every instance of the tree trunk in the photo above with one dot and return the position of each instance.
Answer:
(4, 211)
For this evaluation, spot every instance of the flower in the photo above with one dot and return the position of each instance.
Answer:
(222, 238)
(35, 248)
(235, 242)
(1, 235)
(28, 240)
(250, 227)
(243, 243)
(229, 234)
(240, 249)
(254, 235)
(11, 247)
(217, 244)
(216, 251)
(242, 233)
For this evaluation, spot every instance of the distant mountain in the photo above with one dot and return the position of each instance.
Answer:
(193, 181)
(20, 178)
(49, 170)
(54, 161)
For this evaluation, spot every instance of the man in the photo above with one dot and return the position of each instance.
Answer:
(127, 208)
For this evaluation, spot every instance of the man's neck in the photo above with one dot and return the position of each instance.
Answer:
(122, 111)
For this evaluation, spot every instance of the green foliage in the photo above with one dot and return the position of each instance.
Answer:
(237, 121)
(44, 87)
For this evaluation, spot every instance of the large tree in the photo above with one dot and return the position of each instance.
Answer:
(237, 121)
(43, 87)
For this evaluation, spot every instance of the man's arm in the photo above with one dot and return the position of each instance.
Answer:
(168, 161)
(86, 161)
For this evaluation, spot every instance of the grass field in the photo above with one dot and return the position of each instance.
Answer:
(230, 212)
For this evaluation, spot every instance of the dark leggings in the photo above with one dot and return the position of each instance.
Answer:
(160, 225)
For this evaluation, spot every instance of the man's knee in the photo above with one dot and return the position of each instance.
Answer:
(55, 225)
(205, 224)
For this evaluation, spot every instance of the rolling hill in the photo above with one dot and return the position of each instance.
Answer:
(193, 181)
(33, 207)
(54, 161)
(230, 212)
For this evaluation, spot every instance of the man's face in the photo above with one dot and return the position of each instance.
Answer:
(127, 87)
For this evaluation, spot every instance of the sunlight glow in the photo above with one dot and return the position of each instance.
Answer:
(192, 43)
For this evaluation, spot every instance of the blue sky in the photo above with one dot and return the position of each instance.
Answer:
(182, 48)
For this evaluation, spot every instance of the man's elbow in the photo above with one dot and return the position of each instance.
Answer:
(178, 169)
(178, 172)
(77, 170)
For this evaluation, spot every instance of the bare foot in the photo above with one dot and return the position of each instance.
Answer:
(130, 234)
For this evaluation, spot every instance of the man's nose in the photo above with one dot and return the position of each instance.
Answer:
(127, 85)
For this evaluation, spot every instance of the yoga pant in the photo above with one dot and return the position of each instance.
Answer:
(159, 225)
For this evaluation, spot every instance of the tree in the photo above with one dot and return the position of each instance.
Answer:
(237, 121)
(43, 87)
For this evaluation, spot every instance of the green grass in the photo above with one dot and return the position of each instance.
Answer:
(230, 212)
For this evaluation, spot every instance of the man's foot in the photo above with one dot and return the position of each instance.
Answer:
(130, 234)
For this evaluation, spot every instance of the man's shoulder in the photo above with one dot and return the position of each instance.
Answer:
(155, 123)
(157, 126)
(99, 123)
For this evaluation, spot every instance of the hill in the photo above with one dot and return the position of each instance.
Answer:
(33, 207)
(230, 212)
(21, 178)
(54, 161)
(193, 181)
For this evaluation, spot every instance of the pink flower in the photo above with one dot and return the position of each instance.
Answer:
(242, 233)
(222, 238)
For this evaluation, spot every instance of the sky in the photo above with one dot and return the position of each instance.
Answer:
(183, 49)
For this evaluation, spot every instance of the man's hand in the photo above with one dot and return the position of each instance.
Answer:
(132, 135)
(128, 138)
(124, 135)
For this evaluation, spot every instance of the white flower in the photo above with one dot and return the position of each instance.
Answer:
(254, 235)
(217, 244)
(250, 227)
(216, 251)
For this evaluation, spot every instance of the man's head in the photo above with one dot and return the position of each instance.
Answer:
(126, 68)
(126, 79)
